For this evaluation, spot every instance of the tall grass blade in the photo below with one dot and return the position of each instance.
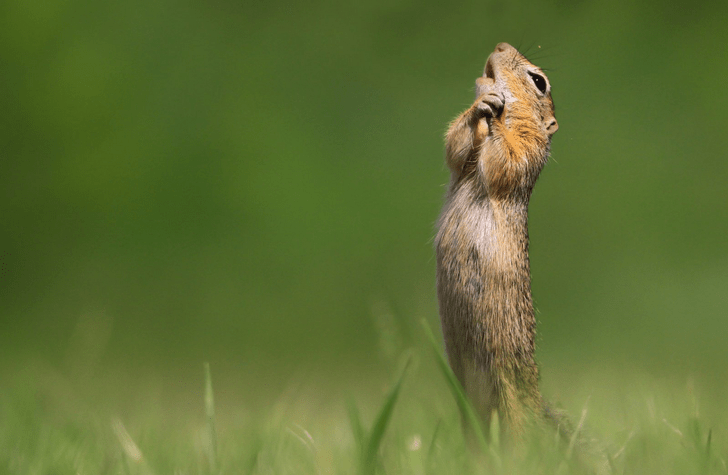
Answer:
(494, 432)
(131, 454)
(431, 450)
(466, 408)
(356, 426)
(210, 413)
(706, 455)
(577, 429)
(707, 444)
(371, 448)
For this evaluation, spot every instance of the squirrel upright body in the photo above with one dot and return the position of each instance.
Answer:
(495, 151)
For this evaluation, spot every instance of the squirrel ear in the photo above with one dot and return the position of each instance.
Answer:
(552, 126)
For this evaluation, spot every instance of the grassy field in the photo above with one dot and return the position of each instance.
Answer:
(402, 421)
(256, 185)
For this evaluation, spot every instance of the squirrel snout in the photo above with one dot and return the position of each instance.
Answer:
(495, 57)
(503, 47)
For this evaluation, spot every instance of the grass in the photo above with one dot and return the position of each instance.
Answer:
(409, 425)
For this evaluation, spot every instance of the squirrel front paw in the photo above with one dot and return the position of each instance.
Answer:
(490, 104)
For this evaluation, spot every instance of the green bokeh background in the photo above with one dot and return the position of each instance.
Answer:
(256, 183)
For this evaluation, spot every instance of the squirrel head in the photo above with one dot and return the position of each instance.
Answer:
(516, 141)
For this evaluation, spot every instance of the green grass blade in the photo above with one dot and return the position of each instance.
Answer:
(707, 444)
(210, 413)
(133, 459)
(371, 449)
(356, 426)
(431, 450)
(466, 408)
(495, 431)
(577, 430)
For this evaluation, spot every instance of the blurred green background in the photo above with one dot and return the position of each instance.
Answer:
(256, 184)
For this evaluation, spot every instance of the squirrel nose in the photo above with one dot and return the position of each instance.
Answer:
(502, 47)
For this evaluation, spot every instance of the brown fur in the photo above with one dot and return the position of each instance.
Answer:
(495, 151)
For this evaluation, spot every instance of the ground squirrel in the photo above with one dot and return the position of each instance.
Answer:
(495, 151)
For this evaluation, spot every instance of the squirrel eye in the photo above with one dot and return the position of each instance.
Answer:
(539, 81)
